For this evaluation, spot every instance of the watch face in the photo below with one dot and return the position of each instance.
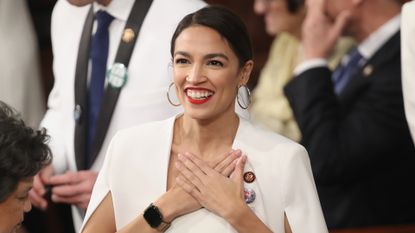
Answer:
(152, 216)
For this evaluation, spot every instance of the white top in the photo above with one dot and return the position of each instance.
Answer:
(408, 63)
(135, 172)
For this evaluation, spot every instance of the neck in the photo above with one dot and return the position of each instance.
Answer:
(104, 2)
(207, 138)
(370, 22)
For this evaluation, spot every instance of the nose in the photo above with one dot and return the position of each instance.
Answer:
(27, 206)
(196, 75)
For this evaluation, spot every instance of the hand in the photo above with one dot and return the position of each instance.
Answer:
(224, 164)
(73, 187)
(37, 193)
(214, 191)
(320, 33)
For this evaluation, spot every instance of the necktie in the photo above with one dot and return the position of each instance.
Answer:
(343, 73)
(98, 56)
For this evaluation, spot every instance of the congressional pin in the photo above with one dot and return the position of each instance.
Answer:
(77, 113)
(128, 35)
(368, 70)
(249, 195)
(117, 75)
(249, 177)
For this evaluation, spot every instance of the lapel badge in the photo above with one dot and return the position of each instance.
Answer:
(249, 177)
(117, 75)
(77, 113)
(128, 35)
(249, 195)
(367, 70)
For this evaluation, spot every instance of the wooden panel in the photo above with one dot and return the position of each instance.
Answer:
(385, 229)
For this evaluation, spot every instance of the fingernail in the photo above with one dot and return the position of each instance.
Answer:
(180, 156)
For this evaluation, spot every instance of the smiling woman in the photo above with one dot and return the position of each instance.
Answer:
(23, 153)
(206, 170)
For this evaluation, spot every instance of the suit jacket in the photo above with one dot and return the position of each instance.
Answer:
(359, 144)
(135, 170)
(20, 80)
(408, 63)
(143, 97)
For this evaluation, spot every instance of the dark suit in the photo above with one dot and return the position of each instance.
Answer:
(360, 148)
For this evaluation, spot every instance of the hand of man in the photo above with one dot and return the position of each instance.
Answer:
(73, 187)
(37, 193)
(320, 32)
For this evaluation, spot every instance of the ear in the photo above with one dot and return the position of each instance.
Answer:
(246, 72)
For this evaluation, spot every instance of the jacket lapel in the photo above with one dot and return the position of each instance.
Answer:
(359, 82)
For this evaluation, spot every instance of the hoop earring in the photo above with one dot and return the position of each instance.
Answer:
(168, 95)
(240, 100)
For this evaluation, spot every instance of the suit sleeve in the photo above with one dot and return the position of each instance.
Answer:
(345, 140)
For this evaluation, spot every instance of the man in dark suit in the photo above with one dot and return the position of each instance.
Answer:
(353, 121)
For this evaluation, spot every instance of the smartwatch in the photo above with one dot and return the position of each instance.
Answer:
(154, 218)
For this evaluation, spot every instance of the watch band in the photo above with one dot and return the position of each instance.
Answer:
(154, 218)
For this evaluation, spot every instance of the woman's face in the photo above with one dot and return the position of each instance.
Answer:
(206, 73)
(13, 208)
(277, 17)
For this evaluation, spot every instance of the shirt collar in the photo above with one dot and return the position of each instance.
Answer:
(119, 9)
(378, 38)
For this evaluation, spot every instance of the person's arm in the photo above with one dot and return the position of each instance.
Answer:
(172, 204)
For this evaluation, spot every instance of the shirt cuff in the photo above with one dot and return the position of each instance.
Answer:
(309, 64)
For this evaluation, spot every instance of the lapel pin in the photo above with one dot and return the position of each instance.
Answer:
(249, 177)
(117, 75)
(249, 195)
(368, 70)
(128, 35)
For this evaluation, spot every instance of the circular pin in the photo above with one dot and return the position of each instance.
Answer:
(117, 75)
(249, 177)
(77, 113)
(249, 195)
(368, 70)
(128, 35)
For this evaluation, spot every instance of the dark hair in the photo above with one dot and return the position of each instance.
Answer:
(23, 151)
(294, 5)
(226, 23)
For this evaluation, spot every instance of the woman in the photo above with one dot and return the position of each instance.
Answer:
(270, 108)
(23, 152)
(181, 175)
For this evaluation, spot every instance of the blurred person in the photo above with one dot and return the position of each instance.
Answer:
(97, 90)
(352, 120)
(23, 152)
(20, 83)
(283, 19)
(185, 167)
(408, 64)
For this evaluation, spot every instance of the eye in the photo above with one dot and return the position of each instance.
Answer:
(181, 61)
(23, 198)
(215, 63)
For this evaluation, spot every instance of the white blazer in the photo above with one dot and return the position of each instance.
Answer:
(408, 63)
(135, 172)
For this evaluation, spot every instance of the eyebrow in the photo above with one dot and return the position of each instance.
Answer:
(209, 56)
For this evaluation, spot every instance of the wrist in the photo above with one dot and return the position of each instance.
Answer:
(155, 219)
(235, 213)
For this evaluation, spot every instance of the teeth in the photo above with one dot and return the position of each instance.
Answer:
(198, 94)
